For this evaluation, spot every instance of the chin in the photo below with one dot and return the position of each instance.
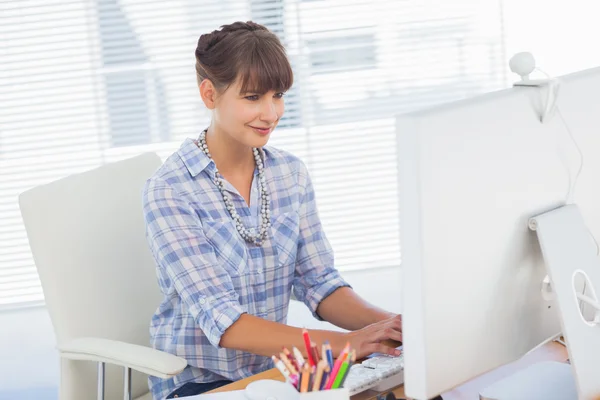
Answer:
(257, 140)
(260, 141)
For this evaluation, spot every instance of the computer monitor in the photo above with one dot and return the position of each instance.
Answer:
(471, 175)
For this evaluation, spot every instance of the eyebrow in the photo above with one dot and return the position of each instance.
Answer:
(260, 93)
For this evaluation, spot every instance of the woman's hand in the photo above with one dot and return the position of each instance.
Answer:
(369, 339)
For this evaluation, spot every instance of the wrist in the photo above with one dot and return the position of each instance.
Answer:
(337, 340)
(378, 315)
(343, 339)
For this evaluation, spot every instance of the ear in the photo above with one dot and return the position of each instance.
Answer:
(208, 92)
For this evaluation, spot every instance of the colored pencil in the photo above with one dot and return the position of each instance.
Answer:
(280, 366)
(287, 363)
(315, 352)
(305, 378)
(329, 353)
(310, 357)
(292, 359)
(352, 362)
(337, 365)
(316, 386)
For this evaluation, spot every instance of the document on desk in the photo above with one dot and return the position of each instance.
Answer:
(233, 395)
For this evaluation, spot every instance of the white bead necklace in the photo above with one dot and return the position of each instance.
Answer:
(250, 235)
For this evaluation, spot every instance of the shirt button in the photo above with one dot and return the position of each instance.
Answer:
(252, 231)
(260, 271)
(262, 309)
(202, 301)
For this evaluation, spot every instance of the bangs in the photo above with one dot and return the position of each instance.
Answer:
(266, 68)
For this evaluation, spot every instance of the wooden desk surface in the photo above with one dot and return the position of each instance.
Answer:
(552, 351)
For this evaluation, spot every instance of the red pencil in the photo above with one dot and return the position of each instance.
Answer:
(315, 352)
(311, 360)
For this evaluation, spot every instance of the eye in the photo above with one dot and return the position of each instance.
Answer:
(279, 95)
(254, 97)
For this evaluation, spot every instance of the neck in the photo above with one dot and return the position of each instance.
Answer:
(230, 155)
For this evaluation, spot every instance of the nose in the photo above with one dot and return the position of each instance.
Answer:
(269, 112)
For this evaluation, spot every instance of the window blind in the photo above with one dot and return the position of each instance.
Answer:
(85, 82)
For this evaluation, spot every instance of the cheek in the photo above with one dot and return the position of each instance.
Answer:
(235, 113)
(250, 110)
(248, 113)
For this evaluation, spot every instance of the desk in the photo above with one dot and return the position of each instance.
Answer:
(552, 351)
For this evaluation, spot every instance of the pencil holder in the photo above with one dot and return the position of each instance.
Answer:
(319, 376)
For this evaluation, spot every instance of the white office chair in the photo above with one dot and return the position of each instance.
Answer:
(86, 233)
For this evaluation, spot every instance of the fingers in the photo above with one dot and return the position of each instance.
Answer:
(394, 322)
(369, 339)
(381, 348)
(385, 334)
(396, 317)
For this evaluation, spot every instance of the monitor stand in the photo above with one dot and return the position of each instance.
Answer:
(567, 250)
(551, 380)
(571, 256)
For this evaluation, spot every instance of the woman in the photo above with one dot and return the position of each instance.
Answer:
(234, 228)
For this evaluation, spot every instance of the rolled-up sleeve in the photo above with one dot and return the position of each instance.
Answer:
(315, 276)
(188, 261)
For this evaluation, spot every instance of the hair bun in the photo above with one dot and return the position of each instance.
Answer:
(243, 26)
(209, 40)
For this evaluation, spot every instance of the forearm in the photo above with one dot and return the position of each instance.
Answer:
(347, 310)
(259, 336)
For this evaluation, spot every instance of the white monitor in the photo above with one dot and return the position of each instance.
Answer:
(472, 173)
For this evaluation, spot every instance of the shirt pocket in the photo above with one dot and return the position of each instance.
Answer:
(229, 249)
(285, 229)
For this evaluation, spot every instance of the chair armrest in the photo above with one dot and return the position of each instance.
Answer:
(144, 359)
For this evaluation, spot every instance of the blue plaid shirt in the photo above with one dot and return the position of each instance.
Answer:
(210, 276)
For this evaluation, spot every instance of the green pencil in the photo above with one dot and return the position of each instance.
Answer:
(340, 375)
(351, 363)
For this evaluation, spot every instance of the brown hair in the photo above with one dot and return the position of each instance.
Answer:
(246, 50)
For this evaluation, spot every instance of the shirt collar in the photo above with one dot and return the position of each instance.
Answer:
(196, 161)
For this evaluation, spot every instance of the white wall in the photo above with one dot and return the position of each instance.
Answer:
(28, 359)
(562, 35)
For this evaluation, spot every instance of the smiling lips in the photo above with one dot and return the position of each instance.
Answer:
(262, 131)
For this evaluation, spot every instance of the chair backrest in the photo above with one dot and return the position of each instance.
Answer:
(87, 236)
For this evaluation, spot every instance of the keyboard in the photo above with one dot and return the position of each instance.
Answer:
(379, 372)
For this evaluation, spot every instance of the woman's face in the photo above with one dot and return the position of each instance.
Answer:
(248, 118)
